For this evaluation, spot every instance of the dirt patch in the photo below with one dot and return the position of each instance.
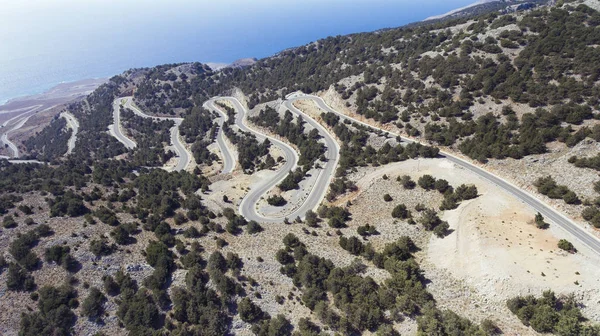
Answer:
(494, 253)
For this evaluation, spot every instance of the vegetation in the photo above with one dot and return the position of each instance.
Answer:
(400, 211)
(547, 186)
(307, 142)
(55, 315)
(549, 314)
(592, 162)
(60, 255)
(276, 200)
(51, 142)
(150, 135)
(359, 299)
(566, 245)
(539, 221)
(434, 97)
(93, 305)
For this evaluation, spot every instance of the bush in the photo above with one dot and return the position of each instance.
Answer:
(490, 328)
(427, 182)
(18, 279)
(407, 182)
(69, 204)
(249, 311)
(539, 221)
(400, 211)
(20, 249)
(566, 245)
(120, 235)
(3, 263)
(55, 316)
(336, 223)
(99, 247)
(9, 222)
(139, 313)
(450, 202)
(275, 326)
(290, 182)
(387, 198)
(430, 220)
(180, 218)
(441, 185)
(156, 251)
(25, 209)
(464, 192)
(311, 219)
(232, 227)
(550, 314)
(352, 245)
(366, 230)
(111, 287)
(571, 198)
(191, 232)
(441, 230)
(592, 214)
(61, 255)
(106, 216)
(253, 227)
(547, 186)
(93, 305)
(276, 200)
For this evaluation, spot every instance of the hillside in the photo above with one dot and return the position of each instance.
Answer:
(112, 240)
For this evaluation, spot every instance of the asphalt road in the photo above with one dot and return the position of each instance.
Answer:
(248, 205)
(548, 212)
(14, 124)
(227, 156)
(180, 150)
(326, 174)
(115, 127)
(74, 125)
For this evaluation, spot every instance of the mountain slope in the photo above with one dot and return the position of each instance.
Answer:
(145, 251)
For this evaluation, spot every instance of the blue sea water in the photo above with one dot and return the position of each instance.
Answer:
(46, 42)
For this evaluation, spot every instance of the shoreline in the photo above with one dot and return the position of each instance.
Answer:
(53, 88)
(24, 116)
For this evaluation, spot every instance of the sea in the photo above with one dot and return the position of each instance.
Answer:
(47, 42)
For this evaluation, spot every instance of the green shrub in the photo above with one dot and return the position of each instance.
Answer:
(427, 182)
(249, 311)
(276, 200)
(55, 316)
(253, 227)
(400, 211)
(18, 279)
(61, 255)
(93, 305)
(566, 245)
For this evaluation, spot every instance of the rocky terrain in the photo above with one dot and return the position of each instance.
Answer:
(106, 241)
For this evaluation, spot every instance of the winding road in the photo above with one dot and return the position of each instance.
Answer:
(332, 154)
(183, 155)
(248, 205)
(249, 202)
(547, 211)
(15, 123)
(227, 156)
(21, 119)
(115, 128)
(74, 125)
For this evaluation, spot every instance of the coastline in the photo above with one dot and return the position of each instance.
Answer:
(22, 117)
(51, 90)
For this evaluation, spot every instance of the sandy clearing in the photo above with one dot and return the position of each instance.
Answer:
(494, 253)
